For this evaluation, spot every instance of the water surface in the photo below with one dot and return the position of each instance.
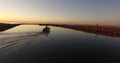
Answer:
(40, 44)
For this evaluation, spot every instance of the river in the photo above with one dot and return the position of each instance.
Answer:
(40, 44)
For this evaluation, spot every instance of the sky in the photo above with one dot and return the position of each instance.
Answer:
(106, 12)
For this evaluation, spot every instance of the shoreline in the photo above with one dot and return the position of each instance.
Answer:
(95, 29)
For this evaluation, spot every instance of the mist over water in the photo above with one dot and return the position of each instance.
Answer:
(45, 44)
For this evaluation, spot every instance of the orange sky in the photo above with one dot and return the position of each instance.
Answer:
(61, 11)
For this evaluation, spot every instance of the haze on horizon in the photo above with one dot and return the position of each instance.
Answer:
(106, 12)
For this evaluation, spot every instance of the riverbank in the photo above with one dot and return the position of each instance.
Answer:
(102, 30)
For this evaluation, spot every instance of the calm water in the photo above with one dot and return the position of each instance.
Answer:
(37, 44)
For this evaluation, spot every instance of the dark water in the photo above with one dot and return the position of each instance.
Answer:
(38, 44)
